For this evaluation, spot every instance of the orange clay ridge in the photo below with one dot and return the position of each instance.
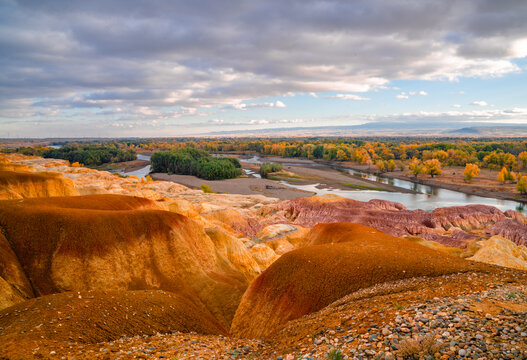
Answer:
(18, 185)
(114, 242)
(306, 280)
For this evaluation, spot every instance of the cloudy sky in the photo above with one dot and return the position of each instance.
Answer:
(170, 68)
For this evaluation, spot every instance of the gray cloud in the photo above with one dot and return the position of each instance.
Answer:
(132, 54)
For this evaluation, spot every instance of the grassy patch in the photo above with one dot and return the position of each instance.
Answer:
(335, 354)
(362, 187)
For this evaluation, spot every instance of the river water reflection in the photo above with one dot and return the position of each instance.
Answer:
(428, 197)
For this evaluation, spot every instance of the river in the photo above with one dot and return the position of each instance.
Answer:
(428, 197)
(143, 172)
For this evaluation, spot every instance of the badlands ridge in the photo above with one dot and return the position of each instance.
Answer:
(90, 260)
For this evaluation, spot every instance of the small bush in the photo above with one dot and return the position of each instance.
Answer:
(418, 348)
(267, 168)
(206, 189)
(335, 354)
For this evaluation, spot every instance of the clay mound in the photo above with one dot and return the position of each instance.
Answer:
(92, 317)
(21, 185)
(308, 279)
(329, 233)
(113, 242)
(500, 251)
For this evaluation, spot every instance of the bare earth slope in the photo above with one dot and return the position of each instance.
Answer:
(113, 242)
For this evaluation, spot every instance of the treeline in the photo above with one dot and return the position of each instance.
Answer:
(489, 153)
(190, 161)
(90, 155)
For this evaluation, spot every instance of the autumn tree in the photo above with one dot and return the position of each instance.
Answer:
(381, 166)
(416, 167)
(521, 186)
(341, 155)
(522, 159)
(433, 167)
(506, 175)
(471, 171)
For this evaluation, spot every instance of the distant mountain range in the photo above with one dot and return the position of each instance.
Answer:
(389, 128)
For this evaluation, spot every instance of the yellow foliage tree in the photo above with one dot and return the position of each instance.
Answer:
(471, 171)
(522, 159)
(416, 167)
(433, 167)
(380, 166)
(506, 175)
(521, 186)
(501, 175)
(341, 155)
(390, 165)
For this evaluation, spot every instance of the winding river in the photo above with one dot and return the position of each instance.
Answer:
(143, 172)
(428, 197)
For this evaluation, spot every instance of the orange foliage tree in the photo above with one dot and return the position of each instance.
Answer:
(471, 171)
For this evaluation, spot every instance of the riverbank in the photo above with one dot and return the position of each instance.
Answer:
(450, 179)
(125, 167)
(307, 172)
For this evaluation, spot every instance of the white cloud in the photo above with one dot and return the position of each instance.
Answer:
(348, 97)
(244, 106)
(457, 106)
(479, 103)
(405, 95)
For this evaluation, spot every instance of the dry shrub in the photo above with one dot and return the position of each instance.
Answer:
(419, 347)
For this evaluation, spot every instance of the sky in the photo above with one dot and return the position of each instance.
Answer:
(177, 68)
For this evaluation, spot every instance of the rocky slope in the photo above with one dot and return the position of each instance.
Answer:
(349, 258)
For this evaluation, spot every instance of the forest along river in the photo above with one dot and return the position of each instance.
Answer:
(428, 197)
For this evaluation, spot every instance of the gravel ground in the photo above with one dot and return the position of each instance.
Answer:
(484, 324)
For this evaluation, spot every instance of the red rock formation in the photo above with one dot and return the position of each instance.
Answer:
(511, 230)
(306, 280)
(450, 225)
